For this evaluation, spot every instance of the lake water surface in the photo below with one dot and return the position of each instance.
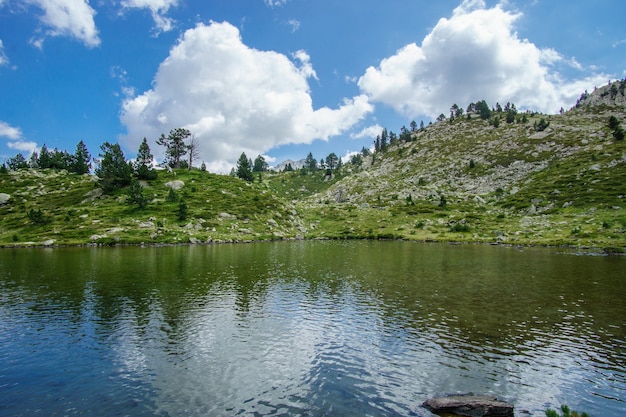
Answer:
(308, 329)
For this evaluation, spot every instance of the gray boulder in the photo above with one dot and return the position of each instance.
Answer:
(470, 405)
(4, 198)
(175, 185)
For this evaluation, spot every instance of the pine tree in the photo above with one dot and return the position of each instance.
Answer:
(45, 160)
(244, 170)
(260, 165)
(310, 162)
(181, 213)
(331, 160)
(136, 195)
(114, 172)
(81, 162)
(143, 162)
(175, 147)
(384, 143)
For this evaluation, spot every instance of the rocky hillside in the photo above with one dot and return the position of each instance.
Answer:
(541, 179)
(514, 182)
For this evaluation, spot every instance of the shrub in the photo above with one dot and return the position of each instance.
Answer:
(136, 195)
(181, 214)
(566, 413)
(542, 125)
(459, 228)
(172, 197)
(37, 217)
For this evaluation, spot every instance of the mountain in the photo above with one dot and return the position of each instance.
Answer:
(540, 179)
(294, 164)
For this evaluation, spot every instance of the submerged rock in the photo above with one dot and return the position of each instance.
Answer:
(470, 405)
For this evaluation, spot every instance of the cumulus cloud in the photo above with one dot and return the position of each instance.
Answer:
(9, 131)
(475, 54)
(24, 146)
(72, 18)
(158, 9)
(368, 132)
(16, 140)
(234, 99)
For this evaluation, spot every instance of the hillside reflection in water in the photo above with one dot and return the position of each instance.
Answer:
(308, 328)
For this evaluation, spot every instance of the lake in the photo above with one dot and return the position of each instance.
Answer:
(314, 328)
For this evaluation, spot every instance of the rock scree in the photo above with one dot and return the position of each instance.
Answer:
(470, 405)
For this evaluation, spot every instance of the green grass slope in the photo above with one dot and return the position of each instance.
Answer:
(73, 210)
(511, 183)
(463, 180)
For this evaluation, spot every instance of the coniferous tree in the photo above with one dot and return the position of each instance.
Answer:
(44, 161)
(310, 163)
(260, 165)
(384, 140)
(143, 162)
(175, 146)
(33, 161)
(392, 138)
(136, 195)
(114, 172)
(405, 135)
(182, 211)
(244, 170)
(483, 110)
(81, 162)
(17, 162)
(331, 160)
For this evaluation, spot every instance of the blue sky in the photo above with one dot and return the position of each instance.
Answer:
(286, 77)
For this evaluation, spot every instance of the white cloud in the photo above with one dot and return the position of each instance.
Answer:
(368, 132)
(73, 18)
(24, 146)
(234, 99)
(618, 43)
(158, 9)
(294, 24)
(3, 58)
(121, 75)
(16, 140)
(306, 68)
(275, 3)
(9, 131)
(475, 54)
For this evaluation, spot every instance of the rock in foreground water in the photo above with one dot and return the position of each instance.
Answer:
(470, 405)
